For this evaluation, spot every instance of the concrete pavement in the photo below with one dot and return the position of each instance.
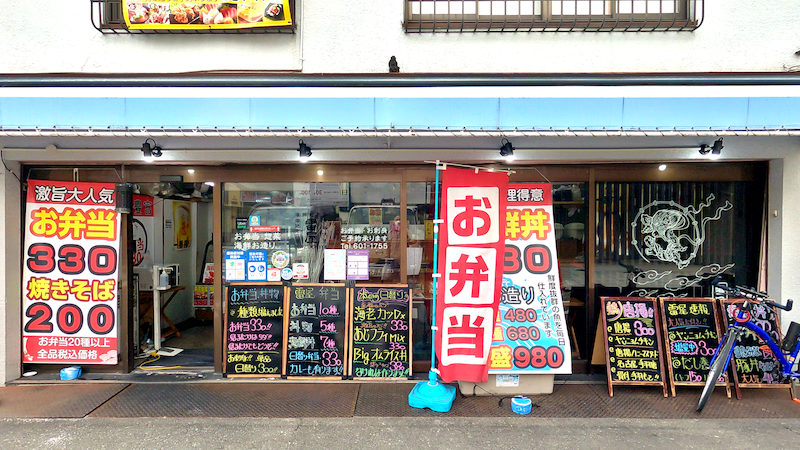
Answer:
(400, 433)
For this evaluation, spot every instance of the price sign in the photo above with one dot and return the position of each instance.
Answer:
(316, 330)
(632, 335)
(69, 281)
(381, 336)
(692, 336)
(753, 362)
(254, 329)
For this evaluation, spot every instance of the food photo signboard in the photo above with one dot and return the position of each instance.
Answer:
(200, 15)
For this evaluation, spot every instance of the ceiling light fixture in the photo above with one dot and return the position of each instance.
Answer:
(320, 172)
(305, 151)
(662, 167)
(191, 171)
(713, 152)
(507, 150)
(150, 151)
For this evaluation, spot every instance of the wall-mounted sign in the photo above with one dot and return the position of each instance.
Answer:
(201, 15)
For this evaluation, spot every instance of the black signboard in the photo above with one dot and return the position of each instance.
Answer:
(381, 332)
(753, 362)
(633, 342)
(254, 329)
(316, 330)
(692, 336)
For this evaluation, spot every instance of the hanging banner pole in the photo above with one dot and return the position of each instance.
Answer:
(433, 394)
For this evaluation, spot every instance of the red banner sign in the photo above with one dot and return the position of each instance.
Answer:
(69, 291)
(471, 244)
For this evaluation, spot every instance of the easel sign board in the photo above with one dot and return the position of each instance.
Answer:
(692, 335)
(632, 335)
(317, 331)
(253, 329)
(753, 362)
(380, 338)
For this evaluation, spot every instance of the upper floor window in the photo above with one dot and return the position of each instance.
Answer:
(552, 15)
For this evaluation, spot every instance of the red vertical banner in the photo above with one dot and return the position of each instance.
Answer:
(70, 261)
(471, 243)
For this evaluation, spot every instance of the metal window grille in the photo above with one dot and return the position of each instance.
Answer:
(107, 18)
(429, 16)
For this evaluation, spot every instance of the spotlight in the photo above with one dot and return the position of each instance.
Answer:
(150, 151)
(305, 151)
(507, 150)
(662, 167)
(715, 150)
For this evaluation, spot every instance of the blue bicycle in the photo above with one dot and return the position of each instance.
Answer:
(741, 322)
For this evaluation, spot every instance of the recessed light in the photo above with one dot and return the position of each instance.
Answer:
(320, 172)
(662, 167)
(190, 171)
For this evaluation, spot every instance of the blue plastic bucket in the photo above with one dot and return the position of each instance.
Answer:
(70, 373)
(521, 405)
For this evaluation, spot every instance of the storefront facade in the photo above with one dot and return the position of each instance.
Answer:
(370, 151)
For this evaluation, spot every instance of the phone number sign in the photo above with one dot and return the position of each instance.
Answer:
(530, 335)
(69, 291)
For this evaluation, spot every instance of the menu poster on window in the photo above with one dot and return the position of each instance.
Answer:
(335, 264)
(235, 265)
(632, 332)
(316, 331)
(254, 329)
(201, 15)
(753, 362)
(69, 278)
(357, 264)
(531, 333)
(692, 336)
(380, 345)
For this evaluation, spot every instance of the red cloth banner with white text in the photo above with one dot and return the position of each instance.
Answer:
(471, 242)
(531, 334)
(69, 290)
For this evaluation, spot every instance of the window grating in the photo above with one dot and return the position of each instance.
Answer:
(107, 18)
(429, 16)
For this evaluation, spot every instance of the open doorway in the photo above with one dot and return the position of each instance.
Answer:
(173, 268)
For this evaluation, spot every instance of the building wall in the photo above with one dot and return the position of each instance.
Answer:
(10, 274)
(361, 36)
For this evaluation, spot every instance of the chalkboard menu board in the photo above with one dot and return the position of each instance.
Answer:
(254, 329)
(692, 336)
(316, 330)
(381, 332)
(754, 364)
(633, 342)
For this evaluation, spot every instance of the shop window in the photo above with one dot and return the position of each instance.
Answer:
(671, 239)
(293, 224)
(552, 15)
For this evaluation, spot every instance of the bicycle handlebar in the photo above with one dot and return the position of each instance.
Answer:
(742, 291)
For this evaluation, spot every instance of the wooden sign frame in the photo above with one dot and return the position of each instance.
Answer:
(667, 347)
(225, 330)
(723, 302)
(345, 348)
(352, 328)
(656, 324)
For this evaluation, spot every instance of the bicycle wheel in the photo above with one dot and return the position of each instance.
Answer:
(716, 369)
